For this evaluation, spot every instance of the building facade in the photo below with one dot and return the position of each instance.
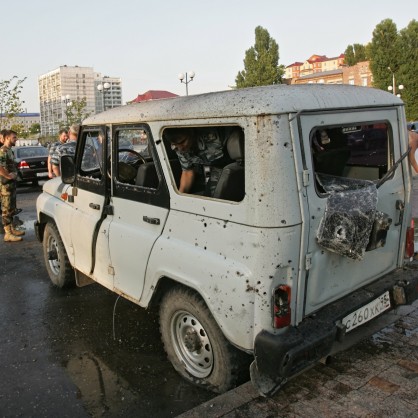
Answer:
(23, 120)
(323, 70)
(59, 87)
(108, 92)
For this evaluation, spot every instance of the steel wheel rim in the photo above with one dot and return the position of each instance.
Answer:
(54, 264)
(191, 344)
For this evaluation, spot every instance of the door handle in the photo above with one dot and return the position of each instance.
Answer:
(94, 206)
(153, 221)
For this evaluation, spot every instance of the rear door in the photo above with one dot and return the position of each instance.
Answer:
(139, 202)
(353, 151)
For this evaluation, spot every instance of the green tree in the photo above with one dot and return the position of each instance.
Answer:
(35, 129)
(355, 53)
(407, 74)
(261, 62)
(19, 129)
(385, 54)
(76, 112)
(10, 102)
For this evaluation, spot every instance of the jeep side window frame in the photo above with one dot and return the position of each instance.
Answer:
(155, 194)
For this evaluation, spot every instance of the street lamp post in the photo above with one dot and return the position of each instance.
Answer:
(102, 87)
(67, 102)
(392, 88)
(186, 79)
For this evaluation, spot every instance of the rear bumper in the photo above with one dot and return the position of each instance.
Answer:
(32, 175)
(278, 357)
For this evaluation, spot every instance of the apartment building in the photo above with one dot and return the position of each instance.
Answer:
(59, 87)
(24, 120)
(324, 70)
(108, 92)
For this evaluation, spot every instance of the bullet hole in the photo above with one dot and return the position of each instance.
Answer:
(289, 261)
(286, 145)
(259, 282)
(313, 217)
(283, 222)
(205, 248)
(205, 224)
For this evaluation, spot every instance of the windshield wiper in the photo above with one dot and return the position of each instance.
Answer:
(392, 169)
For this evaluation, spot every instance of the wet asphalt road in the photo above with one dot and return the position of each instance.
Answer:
(79, 352)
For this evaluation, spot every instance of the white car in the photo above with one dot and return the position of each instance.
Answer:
(303, 239)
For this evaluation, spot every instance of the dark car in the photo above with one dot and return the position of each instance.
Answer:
(31, 163)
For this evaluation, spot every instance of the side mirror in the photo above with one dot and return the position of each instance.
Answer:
(67, 169)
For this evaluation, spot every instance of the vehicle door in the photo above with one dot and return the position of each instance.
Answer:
(140, 203)
(89, 198)
(352, 150)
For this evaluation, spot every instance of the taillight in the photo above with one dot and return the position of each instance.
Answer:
(410, 244)
(281, 306)
(23, 164)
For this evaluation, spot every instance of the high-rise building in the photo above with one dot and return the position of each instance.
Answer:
(109, 91)
(60, 87)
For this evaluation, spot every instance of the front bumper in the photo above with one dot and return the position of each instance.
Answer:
(278, 357)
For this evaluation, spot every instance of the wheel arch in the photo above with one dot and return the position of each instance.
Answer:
(40, 225)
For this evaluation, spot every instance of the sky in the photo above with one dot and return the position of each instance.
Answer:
(148, 43)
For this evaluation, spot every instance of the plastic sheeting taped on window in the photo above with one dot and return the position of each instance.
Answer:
(349, 215)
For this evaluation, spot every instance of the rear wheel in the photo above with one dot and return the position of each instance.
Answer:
(196, 346)
(56, 260)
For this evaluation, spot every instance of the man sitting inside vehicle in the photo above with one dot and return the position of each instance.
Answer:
(199, 151)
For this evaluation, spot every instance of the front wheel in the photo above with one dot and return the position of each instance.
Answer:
(56, 259)
(196, 346)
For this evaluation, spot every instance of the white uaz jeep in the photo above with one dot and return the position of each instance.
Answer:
(304, 238)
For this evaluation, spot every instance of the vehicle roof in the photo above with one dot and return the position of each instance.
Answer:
(276, 99)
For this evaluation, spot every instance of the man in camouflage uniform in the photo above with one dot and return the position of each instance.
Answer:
(53, 158)
(198, 149)
(8, 175)
(68, 148)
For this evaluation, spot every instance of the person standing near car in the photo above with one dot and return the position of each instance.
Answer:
(68, 148)
(53, 158)
(8, 175)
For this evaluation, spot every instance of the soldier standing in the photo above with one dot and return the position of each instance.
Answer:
(8, 175)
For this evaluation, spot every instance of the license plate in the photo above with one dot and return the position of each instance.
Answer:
(41, 174)
(367, 312)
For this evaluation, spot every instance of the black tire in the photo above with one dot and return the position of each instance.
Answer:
(56, 260)
(195, 344)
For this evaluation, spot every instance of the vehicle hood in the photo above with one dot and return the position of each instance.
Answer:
(55, 187)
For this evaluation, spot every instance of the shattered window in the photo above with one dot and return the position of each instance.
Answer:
(135, 164)
(92, 158)
(348, 162)
(352, 151)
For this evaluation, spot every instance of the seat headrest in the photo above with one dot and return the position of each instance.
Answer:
(235, 144)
